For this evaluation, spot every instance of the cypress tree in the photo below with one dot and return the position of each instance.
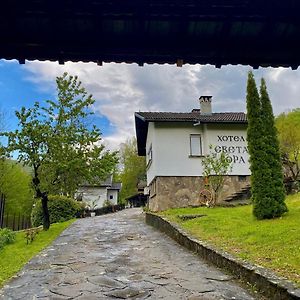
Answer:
(275, 192)
(260, 173)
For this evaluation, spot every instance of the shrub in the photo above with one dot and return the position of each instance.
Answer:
(7, 236)
(61, 209)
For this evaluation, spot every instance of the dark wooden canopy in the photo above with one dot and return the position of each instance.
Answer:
(218, 32)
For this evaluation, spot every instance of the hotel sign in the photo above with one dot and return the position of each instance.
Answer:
(234, 146)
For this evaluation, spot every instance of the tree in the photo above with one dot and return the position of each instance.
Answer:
(57, 142)
(215, 168)
(276, 190)
(133, 168)
(266, 193)
(15, 184)
(288, 126)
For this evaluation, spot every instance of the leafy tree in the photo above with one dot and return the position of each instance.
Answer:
(15, 184)
(265, 190)
(288, 126)
(215, 168)
(59, 145)
(133, 168)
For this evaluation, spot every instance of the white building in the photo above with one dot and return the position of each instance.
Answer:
(174, 144)
(96, 195)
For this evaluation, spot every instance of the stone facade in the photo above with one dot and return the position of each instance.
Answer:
(183, 191)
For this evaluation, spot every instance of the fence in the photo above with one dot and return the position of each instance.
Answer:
(2, 202)
(14, 221)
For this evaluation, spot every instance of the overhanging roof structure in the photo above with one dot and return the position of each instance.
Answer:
(218, 32)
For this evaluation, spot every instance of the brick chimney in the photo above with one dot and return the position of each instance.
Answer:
(205, 105)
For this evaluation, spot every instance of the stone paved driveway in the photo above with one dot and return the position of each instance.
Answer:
(119, 256)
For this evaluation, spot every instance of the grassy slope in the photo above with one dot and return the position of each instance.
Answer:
(14, 256)
(274, 244)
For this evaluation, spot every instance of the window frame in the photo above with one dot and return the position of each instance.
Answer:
(149, 156)
(200, 145)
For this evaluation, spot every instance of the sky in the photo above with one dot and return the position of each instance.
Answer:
(121, 89)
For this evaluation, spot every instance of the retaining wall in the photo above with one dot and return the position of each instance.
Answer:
(263, 280)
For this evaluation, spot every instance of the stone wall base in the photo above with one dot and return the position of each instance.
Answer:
(183, 191)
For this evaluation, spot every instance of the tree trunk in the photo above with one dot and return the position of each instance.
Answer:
(46, 216)
(44, 198)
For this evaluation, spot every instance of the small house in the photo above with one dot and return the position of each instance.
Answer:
(174, 144)
(98, 195)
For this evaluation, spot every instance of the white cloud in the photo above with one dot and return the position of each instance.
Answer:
(122, 89)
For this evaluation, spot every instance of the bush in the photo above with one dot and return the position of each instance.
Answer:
(7, 236)
(61, 209)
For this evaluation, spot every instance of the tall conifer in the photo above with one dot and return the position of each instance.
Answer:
(260, 174)
(276, 192)
(266, 171)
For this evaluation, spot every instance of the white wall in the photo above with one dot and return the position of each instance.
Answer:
(151, 166)
(114, 194)
(171, 148)
(231, 139)
(90, 194)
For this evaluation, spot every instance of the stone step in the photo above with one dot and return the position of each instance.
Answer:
(239, 195)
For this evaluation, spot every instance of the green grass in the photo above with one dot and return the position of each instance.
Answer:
(14, 256)
(274, 244)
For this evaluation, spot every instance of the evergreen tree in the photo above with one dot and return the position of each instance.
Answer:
(276, 191)
(260, 175)
(266, 174)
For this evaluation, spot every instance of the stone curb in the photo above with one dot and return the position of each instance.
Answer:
(264, 281)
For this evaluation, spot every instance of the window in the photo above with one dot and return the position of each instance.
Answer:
(149, 155)
(242, 178)
(195, 145)
(153, 188)
(111, 197)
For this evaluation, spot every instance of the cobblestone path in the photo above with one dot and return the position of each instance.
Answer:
(118, 256)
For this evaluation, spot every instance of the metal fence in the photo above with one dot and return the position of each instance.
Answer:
(12, 221)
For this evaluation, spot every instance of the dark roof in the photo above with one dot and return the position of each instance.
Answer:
(99, 183)
(194, 116)
(143, 118)
(115, 186)
(218, 32)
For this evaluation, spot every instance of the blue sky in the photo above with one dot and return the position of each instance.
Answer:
(17, 91)
(122, 89)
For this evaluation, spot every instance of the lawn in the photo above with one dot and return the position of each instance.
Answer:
(14, 256)
(274, 244)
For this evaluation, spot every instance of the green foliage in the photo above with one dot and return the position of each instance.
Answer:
(276, 190)
(15, 184)
(107, 203)
(271, 243)
(133, 169)
(61, 209)
(288, 126)
(60, 144)
(215, 168)
(7, 236)
(30, 234)
(266, 175)
(15, 256)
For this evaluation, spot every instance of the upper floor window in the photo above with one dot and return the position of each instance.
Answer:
(195, 145)
(149, 156)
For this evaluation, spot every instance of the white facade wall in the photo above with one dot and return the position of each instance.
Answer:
(170, 144)
(112, 196)
(90, 194)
